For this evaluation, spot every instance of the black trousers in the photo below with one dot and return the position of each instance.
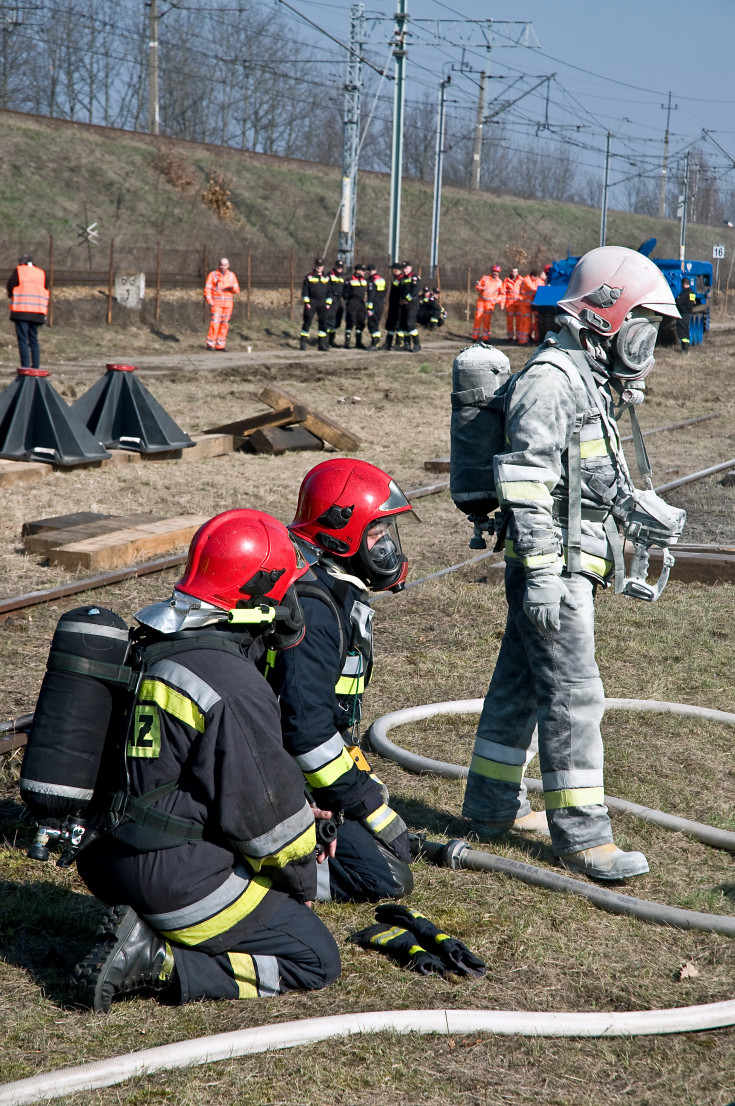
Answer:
(407, 318)
(364, 869)
(373, 321)
(319, 309)
(355, 315)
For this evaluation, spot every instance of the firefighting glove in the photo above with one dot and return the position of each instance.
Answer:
(388, 826)
(452, 951)
(400, 945)
(545, 593)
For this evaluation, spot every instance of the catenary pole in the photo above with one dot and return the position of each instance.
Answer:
(683, 201)
(665, 165)
(153, 103)
(351, 137)
(438, 164)
(477, 150)
(605, 188)
(396, 165)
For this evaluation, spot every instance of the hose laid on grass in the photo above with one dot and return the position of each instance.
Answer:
(248, 1042)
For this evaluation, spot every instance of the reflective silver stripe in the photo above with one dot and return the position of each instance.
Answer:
(269, 977)
(182, 678)
(509, 473)
(234, 886)
(503, 754)
(92, 628)
(566, 781)
(65, 792)
(323, 885)
(269, 843)
(353, 666)
(315, 758)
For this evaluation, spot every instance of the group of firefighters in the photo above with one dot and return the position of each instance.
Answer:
(514, 295)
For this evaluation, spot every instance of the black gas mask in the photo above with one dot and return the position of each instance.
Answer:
(380, 561)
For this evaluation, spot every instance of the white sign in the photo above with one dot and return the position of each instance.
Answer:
(718, 251)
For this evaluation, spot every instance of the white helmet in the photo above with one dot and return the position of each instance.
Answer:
(611, 291)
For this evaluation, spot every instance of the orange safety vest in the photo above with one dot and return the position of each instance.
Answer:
(510, 288)
(526, 289)
(30, 295)
(490, 289)
(220, 286)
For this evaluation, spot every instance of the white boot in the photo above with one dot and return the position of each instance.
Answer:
(606, 862)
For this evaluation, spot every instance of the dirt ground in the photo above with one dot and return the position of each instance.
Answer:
(436, 642)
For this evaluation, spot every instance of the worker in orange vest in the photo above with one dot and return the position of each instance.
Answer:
(511, 285)
(490, 287)
(219, 290)
(526, 292)
(28, 294)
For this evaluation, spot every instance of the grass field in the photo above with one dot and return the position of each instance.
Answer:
(435, 642)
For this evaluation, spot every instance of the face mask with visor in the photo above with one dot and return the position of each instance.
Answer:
(380, 561)
(634, 345)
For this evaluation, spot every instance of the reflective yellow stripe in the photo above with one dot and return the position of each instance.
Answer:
(243, 969)
(588, 563)
(326, 776)
(595, 447)
(380, 818)
(251, 897)
(494, 770)
(574, 796)
(297, 850)
(383, 938)
(173, 702)
(350, 685)
(523, 489)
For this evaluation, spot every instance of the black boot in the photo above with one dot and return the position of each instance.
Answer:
(322, 343)
(332, 338)
(128, 958)
(388, 343)
(303, 343)
(348, 338)
(374, 341)
(416, 343)
(358, 340)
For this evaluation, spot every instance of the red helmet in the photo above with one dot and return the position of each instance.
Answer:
(342, 509)
(609, 282)
(496, 268)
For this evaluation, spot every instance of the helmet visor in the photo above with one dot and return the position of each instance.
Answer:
(381, 553)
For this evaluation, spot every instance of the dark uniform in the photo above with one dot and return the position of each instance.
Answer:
(410, 288)
(394, 306)
(375, 302)
(320, 684)
(316, 294)
(354, 292)
(225, 878)
(336, 310)
(685, 301)
(431, 313)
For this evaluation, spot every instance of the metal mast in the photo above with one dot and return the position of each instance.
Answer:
(605, 187)
(351, 139)
(396, 165)
(477, 151)
(665, 165)
(438, 162)
(153, 106)
(683, 203)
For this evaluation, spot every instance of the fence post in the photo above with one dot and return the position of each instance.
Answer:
(50, 318)
(158, 281)
(467, 309)
(250, 278)
(204, 275)
(110, 281)
(438, 279)
(290, 288)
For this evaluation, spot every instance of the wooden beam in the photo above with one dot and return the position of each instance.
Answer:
(122, 547)
(22, 472)
(697, 568)
(439, 464)
(283, 439)
(324, 427)
(46, 540)
(60, 522)
(290, 412)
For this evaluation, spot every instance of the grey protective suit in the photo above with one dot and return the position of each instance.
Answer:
(551, 679)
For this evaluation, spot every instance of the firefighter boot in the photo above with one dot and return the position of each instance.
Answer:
(358, 340)
(304, 343)
(127, 959)
(416, 343)
(332, 338)
(374, 341)
(605, 862)
(322, 343)
(388, 344)
(348, 339)
(533, 822)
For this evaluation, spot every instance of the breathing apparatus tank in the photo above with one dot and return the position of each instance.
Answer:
(83, 695)
(480, 376)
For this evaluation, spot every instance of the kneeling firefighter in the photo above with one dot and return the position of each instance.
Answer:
(563, 487)
(209, 846)
(346, 528)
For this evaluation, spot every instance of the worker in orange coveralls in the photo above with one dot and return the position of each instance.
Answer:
(491, 296)
(526, 292)
(540, 279)
(219, 290)
(511, 285)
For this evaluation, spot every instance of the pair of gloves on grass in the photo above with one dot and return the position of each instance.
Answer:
(409, 938)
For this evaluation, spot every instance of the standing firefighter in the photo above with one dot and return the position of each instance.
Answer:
(409, 309)
(28, 309)
(316, 295)
(346, 526)
(685, 301)
(375, 302)
(219, 292)
(394, 305)
(490, 288)
(335, 311)
(354, 292)
(213, 862)
(563, 486)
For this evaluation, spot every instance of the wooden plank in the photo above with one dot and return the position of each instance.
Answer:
(22, 472)
(290, 412)
(696, 568)
(208, 445)
(324, 428)
(122, 547)
(282, 439)
(60, 522)
(439, 464)
(44, 542)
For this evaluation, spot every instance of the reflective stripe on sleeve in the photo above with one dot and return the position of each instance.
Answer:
(523, 491)
(322, 754)
(285, 833)
(175, 704)
(186, 681)
(327, 775)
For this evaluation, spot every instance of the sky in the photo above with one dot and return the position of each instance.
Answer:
(614, 66)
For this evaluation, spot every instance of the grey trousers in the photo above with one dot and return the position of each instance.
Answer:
(550, 681)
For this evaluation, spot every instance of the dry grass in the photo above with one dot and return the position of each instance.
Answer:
(436, 642)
